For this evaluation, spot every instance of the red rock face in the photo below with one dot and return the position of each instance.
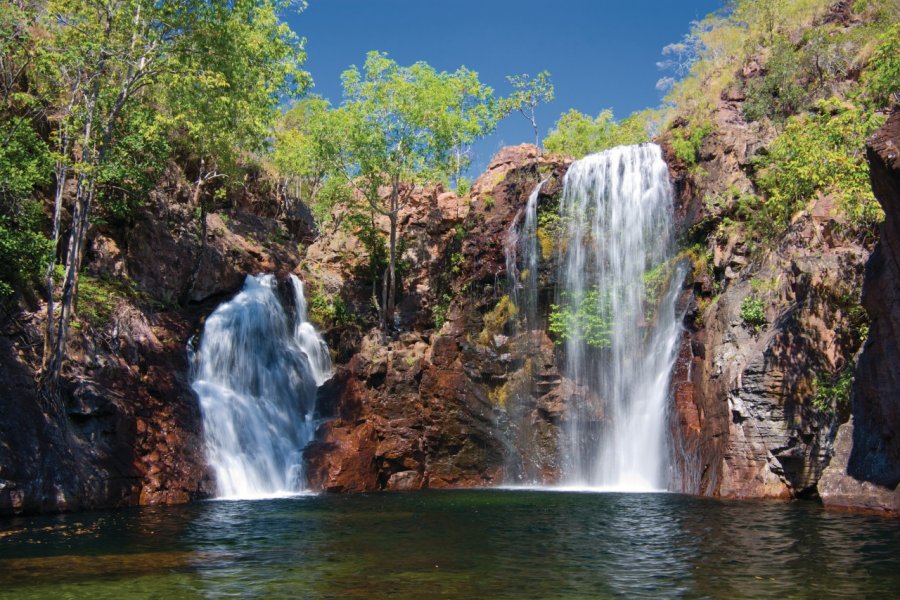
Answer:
(865, 470)
(743, 425)
(127, 429)
(421, 408)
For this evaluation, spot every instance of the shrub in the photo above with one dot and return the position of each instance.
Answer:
(881, 79)
(24, 250)
(822, 152)
(686, 141)
(587, 318)
(832, 392)
(753, 312)
(778, 93)
(440, 311)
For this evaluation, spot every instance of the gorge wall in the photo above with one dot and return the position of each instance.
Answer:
(455, 396)
(865, 469)
(127, 427)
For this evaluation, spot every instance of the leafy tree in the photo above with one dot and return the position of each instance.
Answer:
(399, 125)
(302, 162)
(577, 134)
(527, 94)
(227, 82)
(109, 64)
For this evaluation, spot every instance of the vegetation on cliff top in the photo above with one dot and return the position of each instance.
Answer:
(97, 96)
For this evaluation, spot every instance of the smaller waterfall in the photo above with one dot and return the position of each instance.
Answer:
(256, 378)
(522, 242)
(308, 338)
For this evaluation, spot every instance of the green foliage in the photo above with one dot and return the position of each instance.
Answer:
(881, 78)
(655, 280)
(24, 250)
(463, 186)
(328, 311)
(587, 317)
(402, 123)
(686, 141)
(577, 134)
(456, 261)
(822, 152)
(135, 161)
(528, 93)
(302, 161)
(488, 201)
(24, 159)
(832, 392)
(440, 311)
(778, 93)
(753, 312)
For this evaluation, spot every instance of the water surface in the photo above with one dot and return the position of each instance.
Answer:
(455, 544)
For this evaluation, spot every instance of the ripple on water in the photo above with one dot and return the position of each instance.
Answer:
(458, 544)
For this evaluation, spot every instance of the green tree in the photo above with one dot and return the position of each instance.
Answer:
(577, 134)
(399, 125)
(110, 63)
(527, 94)
(223, 93)
(302, 162)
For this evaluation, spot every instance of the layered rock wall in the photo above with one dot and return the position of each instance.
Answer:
(865, 470)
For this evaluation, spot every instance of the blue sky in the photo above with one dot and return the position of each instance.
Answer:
(600, 54)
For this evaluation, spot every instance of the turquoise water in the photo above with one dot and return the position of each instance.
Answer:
(454, 544)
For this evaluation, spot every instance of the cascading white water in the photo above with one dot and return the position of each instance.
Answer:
(256, 378)
(308, 338)
(620, 340)
(522, 244)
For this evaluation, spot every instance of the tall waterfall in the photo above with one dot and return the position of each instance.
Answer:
(256, 374)
(619, 321)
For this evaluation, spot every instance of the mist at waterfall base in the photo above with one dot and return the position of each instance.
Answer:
(256, 373)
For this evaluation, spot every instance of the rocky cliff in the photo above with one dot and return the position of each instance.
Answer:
(865, 470)
(745, 422)
(429, 404)
(126, 429)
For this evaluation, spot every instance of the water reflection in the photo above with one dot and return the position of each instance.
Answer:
(497, 544)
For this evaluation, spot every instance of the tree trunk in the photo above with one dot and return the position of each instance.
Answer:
(61, 173)
(197, 200)
(391, 300)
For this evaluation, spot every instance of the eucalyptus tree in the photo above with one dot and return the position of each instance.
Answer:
(528, 93)
(106, 56)
(399, 125)
(223, 94)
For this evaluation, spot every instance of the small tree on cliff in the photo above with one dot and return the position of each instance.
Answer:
(399, 125)
(528, 93)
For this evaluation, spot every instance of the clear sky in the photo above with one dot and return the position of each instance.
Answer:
(600, 54)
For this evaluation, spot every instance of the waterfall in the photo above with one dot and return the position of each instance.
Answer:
(521, 241)
(256, 374)
(617, 317)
